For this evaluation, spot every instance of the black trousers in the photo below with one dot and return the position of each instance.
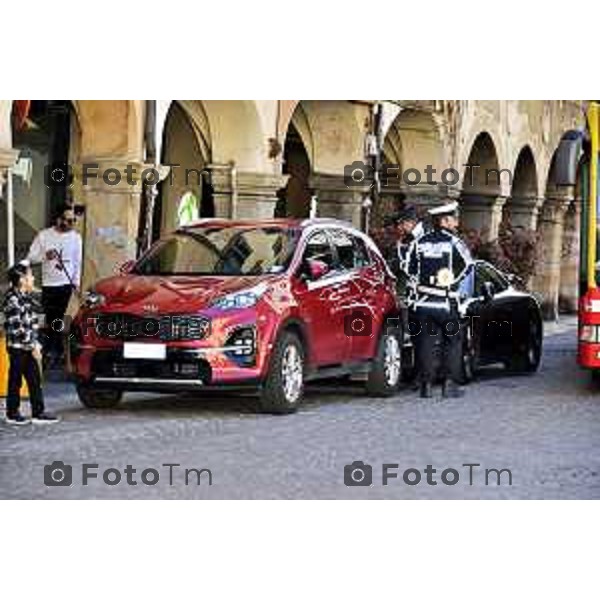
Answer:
(55, 300)
(438, 336)
(22, 364)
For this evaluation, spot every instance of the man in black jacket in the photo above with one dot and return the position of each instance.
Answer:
(408, 228)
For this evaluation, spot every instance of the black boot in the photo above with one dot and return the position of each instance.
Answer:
(452, 390)
(426, 389)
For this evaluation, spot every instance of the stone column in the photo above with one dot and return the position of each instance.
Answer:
(524, 212)
(546, 281)
(245, 195)
(569, 272)
(336, 199)
(482, 213)
(111, 222)
(8, 157)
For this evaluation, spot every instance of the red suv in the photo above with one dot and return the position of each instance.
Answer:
(264, 304)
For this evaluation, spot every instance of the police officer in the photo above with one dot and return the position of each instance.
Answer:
(439, 267)
(407, 229)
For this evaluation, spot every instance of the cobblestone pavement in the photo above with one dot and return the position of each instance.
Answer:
(544, 428)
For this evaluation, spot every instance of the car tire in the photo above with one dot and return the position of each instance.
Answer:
(409, 374)
(386, 371)
(283, 388)
(98, 399)
(595, 378)
(528, 360)
(469, 361)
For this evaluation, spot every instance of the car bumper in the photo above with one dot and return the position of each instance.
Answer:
(588, 355)
(171, 386)
(185, 368)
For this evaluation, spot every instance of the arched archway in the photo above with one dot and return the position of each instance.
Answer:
(413, 140)
(327, 136)
(332, 131)
(522, 206)
(481, 202)
(186, 145)
(294, 198)
(412, 143)
(226, 142)
(557, 231)
(109, 133)
(47, 135)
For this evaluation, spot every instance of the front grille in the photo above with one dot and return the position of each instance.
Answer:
(167, 328)
(177, 366)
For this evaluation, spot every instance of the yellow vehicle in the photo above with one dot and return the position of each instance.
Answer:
(588, 353)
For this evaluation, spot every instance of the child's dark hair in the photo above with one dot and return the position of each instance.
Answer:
(16, 272)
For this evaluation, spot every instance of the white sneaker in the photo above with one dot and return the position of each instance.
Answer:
(17, 419)
(45, 418)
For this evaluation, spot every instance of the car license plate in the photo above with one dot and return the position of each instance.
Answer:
(148, 351)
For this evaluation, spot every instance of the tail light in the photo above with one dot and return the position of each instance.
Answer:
(591, 305)
(589, 334)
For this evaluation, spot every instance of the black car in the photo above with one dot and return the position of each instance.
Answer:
(504, 324)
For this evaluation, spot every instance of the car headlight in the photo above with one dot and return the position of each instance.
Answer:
(92, 299)
(242, 299)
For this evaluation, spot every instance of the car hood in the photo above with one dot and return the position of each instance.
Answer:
(136, 293)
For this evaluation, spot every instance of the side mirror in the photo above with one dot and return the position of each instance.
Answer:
(126, 267)
(514, 280)
(488, 291)
(314, 269)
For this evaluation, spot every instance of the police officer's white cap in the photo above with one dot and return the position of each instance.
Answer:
(444, 210)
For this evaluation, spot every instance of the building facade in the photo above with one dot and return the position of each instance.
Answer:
(246, 159)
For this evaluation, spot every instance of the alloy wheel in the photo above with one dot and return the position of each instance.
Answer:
(392, 362)
(292, 373)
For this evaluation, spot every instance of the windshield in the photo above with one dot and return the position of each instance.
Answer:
(221, 251)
